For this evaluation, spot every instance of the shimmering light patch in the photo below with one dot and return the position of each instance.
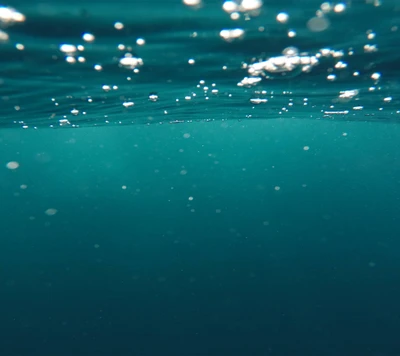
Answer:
(51, 212)
(235, 15)
(229, 35)
(12, 165)
(128, 104)
(318, 24)
(20, 46)
(292, 33)
(140, 41)
(191, 61)
(282, 17)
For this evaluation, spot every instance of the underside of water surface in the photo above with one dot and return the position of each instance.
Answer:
(90, 63)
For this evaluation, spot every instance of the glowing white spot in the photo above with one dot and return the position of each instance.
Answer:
(186, 135)
(339, 7)
(68, 48)
(119, 25)
(88, 37)
(192, 2)
(282, 17)
(306, 148)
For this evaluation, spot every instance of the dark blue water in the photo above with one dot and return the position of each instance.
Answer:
(170, 189)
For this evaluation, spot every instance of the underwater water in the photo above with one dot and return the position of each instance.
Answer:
(199, 178)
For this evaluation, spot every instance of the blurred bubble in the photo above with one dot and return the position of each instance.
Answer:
(318, 24)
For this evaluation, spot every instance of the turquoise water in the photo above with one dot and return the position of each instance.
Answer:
(144, 214)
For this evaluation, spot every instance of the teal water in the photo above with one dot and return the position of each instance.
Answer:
(245, 224)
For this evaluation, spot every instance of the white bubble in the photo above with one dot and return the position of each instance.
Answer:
(318, 24)
(306, 148)
(339, 7)
(88, 37)
(119, 25)
(277, 188)
(186, 135)
(12, 165)
(123, 187)
(51, 212)
(282, 17)
(23, 186)
(190, 198)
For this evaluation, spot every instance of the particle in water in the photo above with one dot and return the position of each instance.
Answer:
(140, 41)
(123, 187)
(292, 33)
(23, 186)
(51, 212)
(186, 135)
(191, 61)
(183, 172)
(20, 46)
(12, 165)
(218, 211)
(306, 148)
(96, 245)
(277, 188)
(190, 198)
